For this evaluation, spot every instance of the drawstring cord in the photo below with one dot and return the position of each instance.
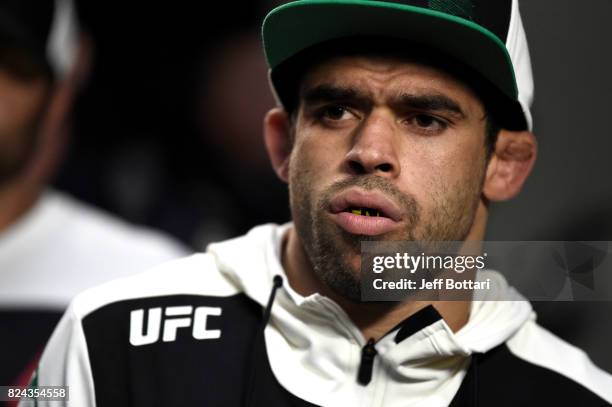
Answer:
(277, 282)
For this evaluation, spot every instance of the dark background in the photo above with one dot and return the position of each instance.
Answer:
(569, 194)
(167, 131)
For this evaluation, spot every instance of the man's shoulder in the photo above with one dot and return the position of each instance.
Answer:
(195, 275)
(223, 271)
(537, 358)
(63, 246)
(111, 234)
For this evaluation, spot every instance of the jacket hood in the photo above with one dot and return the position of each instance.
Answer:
(314, 335)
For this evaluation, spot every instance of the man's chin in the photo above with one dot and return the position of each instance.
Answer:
(353, 241)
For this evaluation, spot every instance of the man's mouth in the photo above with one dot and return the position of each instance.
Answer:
(365, 213)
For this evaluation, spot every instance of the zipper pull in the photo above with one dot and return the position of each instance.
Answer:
(368, 353)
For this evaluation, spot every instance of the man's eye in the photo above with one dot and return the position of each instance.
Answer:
(335, 113)
(428, 123)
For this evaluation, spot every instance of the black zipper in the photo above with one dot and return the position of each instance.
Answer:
(407, 327)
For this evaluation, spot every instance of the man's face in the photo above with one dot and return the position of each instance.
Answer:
(384, 149)
(22, 103)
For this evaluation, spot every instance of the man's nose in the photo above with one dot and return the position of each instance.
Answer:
(374, 149)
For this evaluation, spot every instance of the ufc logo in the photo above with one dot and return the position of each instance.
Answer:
(173, 319)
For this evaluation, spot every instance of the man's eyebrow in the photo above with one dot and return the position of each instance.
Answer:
(430, 102)
(332, 93)
(425, 102)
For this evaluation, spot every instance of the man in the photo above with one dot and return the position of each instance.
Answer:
(397, 121)
(51, 246)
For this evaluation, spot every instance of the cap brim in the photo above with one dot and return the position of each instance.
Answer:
(296, 26)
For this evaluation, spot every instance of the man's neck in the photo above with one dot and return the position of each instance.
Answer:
(373, 320)
(16, 199)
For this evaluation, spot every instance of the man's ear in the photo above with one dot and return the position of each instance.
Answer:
(277, 136)
(511, 162)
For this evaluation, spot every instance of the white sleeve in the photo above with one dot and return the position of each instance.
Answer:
(65, 362)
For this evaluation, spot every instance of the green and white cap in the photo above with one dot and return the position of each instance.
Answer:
(487, 36)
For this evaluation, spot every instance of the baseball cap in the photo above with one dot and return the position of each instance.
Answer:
(46, 30)
(485, 36)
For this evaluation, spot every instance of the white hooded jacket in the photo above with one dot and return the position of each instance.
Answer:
(186, 333)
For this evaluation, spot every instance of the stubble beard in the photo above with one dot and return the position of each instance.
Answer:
(330, 248)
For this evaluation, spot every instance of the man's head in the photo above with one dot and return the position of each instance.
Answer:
(390, 142)
(37, 51)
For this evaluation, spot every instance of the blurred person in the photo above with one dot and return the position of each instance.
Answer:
(232, 100)
(51, 246)
(396, 121)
